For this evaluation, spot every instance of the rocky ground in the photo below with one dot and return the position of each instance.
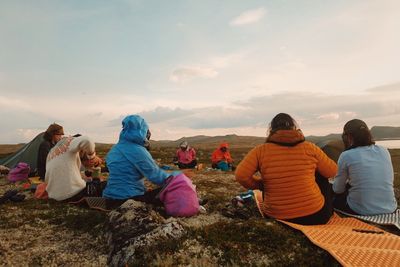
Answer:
(47, 233)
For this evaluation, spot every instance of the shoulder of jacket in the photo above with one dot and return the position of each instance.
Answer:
(259, 149)
(311, 145)
(311, 148)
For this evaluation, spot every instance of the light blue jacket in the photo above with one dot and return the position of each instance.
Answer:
(369, 172)
(129, 162)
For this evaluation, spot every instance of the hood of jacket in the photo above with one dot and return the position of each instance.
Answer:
(226, 145)
(286, 137)
(134, 130)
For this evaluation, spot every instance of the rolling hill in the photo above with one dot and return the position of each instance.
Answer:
(235, 141)
(201, 141)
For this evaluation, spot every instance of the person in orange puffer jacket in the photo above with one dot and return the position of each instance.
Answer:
(293, 172)
(221, 158)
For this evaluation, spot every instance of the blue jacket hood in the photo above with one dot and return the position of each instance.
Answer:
(129, 161)
(134, 130)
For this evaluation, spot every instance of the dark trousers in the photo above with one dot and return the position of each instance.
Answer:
(190, 165)
(149, 197)
(340, 202)
(324, 214)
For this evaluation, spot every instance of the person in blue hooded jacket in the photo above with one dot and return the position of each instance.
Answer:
(129, 162)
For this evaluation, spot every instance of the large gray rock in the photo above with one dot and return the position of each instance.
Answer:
(134, 229)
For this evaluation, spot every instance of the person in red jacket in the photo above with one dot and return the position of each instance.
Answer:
(221, 158)
(293, 175)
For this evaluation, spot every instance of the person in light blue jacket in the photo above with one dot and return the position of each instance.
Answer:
(364, 182)
(129, 162)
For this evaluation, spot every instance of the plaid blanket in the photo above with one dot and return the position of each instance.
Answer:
(383, 219)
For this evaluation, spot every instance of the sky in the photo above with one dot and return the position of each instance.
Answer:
(196, 67)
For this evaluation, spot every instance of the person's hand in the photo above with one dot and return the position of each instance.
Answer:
(94, 162)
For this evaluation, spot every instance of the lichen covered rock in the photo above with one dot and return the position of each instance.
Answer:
(134, 229)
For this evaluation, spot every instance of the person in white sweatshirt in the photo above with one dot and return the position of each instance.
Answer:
(63, 176)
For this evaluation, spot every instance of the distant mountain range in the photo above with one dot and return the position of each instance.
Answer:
(378, 132)
(235, 141)
(206, 141)
(385, 132)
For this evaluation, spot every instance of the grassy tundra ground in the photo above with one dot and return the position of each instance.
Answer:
(37, 232)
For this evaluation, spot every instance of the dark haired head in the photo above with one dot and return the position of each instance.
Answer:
(356, 133)
(282, 121)
(53, 129)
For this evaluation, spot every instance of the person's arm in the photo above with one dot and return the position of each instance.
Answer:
(214, 158)
(339, 184)
(90, 163)
(246, 169)
(149, 169)
(84, 144)
(228, 157)
(43, 151)
(193, 154)
(325, 166)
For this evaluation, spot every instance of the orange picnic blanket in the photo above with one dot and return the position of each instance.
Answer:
(354, 243)
(350, 241)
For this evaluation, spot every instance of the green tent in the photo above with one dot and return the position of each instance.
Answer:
(28, 153)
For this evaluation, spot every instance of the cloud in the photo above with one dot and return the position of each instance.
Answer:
(215, 117)
(184, 74)
(228, 60)
(249, 17)
(329, 116)
(20, 125)
(316, 113)
(13, 103)
(390, 88)
(160, 114)
(28, 133)
(209, 68)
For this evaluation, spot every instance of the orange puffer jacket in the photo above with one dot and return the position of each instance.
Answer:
(218, 155)
(287, 165)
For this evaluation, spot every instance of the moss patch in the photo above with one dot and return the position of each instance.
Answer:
(280, 245)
